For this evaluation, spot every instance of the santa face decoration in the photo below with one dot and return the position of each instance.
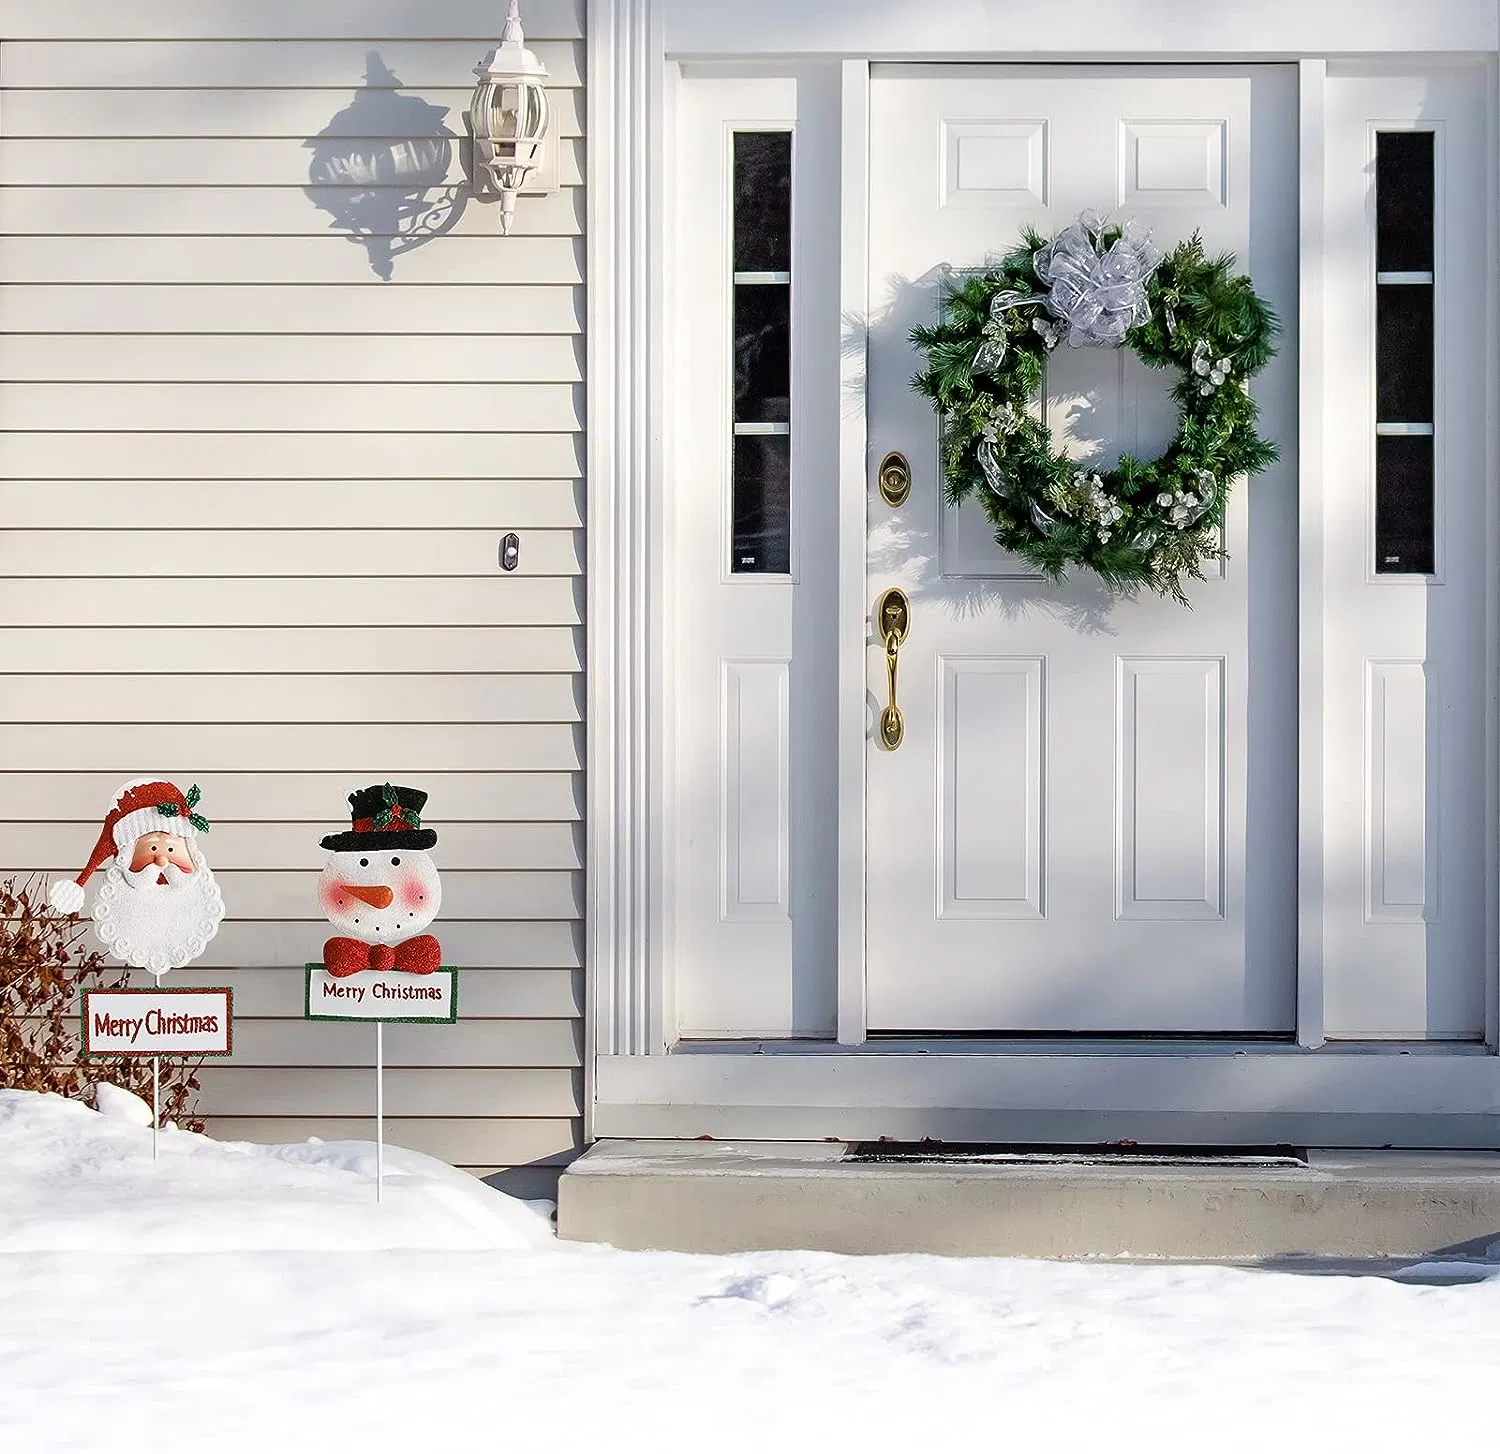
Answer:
(380, 888)
(158, 903)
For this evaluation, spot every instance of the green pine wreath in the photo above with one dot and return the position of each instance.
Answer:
(1148, 523)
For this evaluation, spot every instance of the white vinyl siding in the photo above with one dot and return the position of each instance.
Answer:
(251, 499)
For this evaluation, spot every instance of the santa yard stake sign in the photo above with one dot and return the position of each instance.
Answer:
(380, 890)
(157, 907)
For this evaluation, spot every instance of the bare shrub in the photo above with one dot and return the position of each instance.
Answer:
(44, 969)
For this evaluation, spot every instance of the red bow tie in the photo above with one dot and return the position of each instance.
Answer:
(421, 955)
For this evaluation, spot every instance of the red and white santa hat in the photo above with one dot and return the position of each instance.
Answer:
(141, 806)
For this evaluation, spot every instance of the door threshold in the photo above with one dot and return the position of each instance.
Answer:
(1144, 1047)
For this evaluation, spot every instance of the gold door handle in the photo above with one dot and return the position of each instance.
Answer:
(892, 619)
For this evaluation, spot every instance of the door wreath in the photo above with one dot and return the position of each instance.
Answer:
(1145, 523)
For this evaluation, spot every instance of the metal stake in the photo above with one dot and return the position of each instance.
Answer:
(379, 1111)
(156, 1092)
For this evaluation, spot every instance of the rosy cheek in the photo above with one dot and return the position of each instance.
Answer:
(413, 894)
(331, 899)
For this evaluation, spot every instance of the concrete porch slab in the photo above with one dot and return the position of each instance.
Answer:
(717, 1196)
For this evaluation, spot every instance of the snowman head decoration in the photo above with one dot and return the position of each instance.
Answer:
(380, 888)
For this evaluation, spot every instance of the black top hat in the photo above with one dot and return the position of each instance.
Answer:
(384, 817)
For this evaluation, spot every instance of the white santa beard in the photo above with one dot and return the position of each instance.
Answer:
(396, 923)
(158, 926)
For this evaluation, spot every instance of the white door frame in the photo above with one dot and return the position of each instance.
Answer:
(628, 984)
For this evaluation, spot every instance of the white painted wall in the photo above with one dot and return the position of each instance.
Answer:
(251, 496)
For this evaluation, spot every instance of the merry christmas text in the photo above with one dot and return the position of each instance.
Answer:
(153, 1022)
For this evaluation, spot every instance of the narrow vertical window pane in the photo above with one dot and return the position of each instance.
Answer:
(1403, 354)
(1403, 505)
(761, 538)
(1404, 201)
(1405, 302)
(762, 354)
(762, 504)
(762, 201)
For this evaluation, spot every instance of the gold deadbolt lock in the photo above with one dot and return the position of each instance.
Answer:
(892, 621)
(895, 479)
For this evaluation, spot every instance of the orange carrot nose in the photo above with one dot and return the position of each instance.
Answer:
(377, 896)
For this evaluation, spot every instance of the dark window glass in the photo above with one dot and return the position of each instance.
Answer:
(761, 543)
(762, 356)
(1403, 504)
(1403, 353)
(762, 504)
(762, 201)
(1403, 201)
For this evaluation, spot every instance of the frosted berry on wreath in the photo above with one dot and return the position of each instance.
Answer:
(1100, 284)
(380, 887)
(158, 904)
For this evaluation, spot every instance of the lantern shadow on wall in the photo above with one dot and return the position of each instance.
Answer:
(380, 169)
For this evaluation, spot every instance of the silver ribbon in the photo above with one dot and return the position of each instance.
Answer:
(999, 483)
(1098, 293)
(991, 352)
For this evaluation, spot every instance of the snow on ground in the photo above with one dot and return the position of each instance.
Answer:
(234, 1297)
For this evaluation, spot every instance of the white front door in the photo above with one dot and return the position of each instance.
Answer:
(1091, 823)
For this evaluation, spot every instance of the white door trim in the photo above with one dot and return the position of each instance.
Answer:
(626, 1011)
(1311, 82)
(854, 304)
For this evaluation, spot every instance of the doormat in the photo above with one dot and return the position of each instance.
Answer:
(949, 1153)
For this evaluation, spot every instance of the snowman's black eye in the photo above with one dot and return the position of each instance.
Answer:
(394, 862)
(364, 863)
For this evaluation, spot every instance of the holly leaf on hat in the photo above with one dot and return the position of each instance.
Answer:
(168, 810)
(193, 794)
(198, 821)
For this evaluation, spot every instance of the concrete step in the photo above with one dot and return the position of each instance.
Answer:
(719, 1196)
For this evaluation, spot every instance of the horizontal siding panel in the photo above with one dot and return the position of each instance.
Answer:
(458, 603)
(277, 19)
(467, 893)
(365, 752)
(519, 1043)
(327, 554)
(295, 845)
(316, 308)
(449, 261)
(511, 994)
(504, 408)
(267, 958)
(231, 1090)
(359, 697)
(230, 111)
(283, 946)
(354, 456)
(479, 1142)
(248, 797)
(261, 358)
(85, 62)
(528, 1183)
(244, 212)
(496, 505)
(198, 162)
(295, 649)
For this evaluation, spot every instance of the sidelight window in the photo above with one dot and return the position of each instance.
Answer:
(1404, 353)
(761, 529)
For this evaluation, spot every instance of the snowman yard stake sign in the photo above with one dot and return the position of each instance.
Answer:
(380, 891)
(157, 907)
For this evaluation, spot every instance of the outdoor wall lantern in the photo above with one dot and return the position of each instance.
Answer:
(508, 115)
